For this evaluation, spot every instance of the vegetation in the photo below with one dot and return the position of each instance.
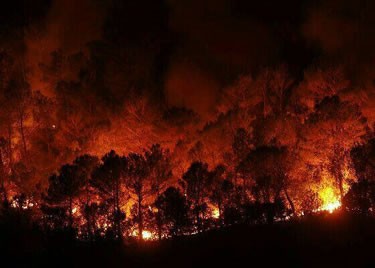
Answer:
(148, 123)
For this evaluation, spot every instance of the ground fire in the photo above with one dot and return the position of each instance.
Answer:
(330, 201)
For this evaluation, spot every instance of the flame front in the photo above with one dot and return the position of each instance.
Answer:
(215, 213)
(146, 235)
(330, 199)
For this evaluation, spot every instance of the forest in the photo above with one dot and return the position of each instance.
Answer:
(133, 126)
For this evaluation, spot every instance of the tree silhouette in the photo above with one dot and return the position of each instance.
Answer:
(361, 197)
(268, 167)
(221, 190)
(363, 159)
(174, 210)
(137, 173)
(310, 202)
(86, 164)
(196, 181)
(108, 178)
(3, 189)
(63, 188)
(330, 132)
(160, 170)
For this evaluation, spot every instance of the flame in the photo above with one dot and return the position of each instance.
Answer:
(28, 204)
(146, 235)
(328, 191)
(330, 199)
(215, 213)
(74, 210)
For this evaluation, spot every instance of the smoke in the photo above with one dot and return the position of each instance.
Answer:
(344, 32)
(214, 45)
(190, 87)
(209, 43)
(222, 35)
(68, 26)
(212, 42)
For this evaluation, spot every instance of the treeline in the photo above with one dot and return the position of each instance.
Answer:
(128, 195)
(122, 196)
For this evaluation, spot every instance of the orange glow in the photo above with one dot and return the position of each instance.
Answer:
(215, 213)
(330, 199)
(74, 210)
(329, 193)
(146, 235)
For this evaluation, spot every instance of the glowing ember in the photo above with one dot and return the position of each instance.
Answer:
(147, 235)
(74, 210)
(330, 200)
(332, 206)
(215, 213)
(26, 205)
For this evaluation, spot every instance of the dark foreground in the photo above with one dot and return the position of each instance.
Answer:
(320, 241)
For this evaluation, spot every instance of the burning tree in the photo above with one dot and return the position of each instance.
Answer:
(159, 164)
(221, 191)
(86, 164)
(64, 189)
(3, 173)
(330, 132)
(360, 198)
(268, 169)
(196, 181)
(173, 210)
(108, 178)
(137, 172)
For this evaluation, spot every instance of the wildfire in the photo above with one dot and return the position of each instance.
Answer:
(27, 204)
(215, 213)
(329, 193)
(146, 235)
(330, 199)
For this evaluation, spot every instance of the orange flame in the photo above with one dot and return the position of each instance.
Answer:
(330, 199)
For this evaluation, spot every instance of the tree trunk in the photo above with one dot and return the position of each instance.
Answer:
(5, 195)
(10, 151)
(290, 201)
(117, 211)
(197, 215)
(198, 206)
(88, 215)
(220, 214)
(2, 179)
(140, 216)
(340, 183)
(336, 168)
(159, 223)
(158, 215)
(70, 212)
